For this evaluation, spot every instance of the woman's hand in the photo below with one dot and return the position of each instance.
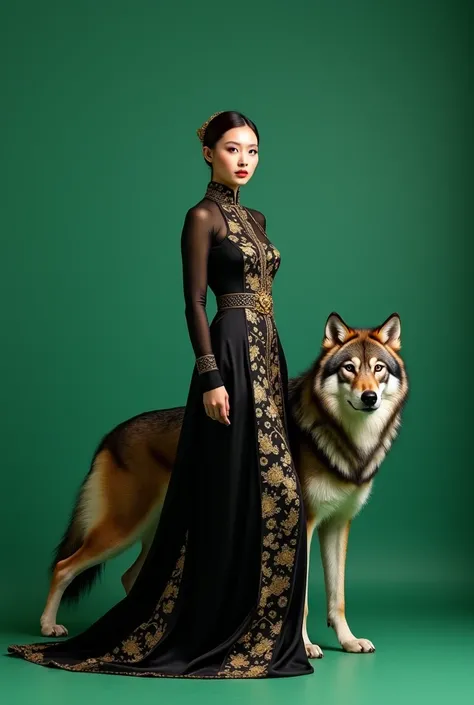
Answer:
(216, 403)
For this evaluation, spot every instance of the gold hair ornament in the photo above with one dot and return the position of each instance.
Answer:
(201, 130)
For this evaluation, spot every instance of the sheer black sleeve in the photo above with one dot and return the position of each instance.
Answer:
(196, 240)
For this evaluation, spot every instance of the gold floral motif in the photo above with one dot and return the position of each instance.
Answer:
(269, 505)
(266, 444)
(290, 522)
(290, 483)
(256, 671)
(272, 410)
(259, 392)
(131, 647)
(264, 302)
(276, 628)
(254, 283)
(261, 647)
(253, 352)
(249, 251)
(269, 538)
(234, 227)
(279, 584)
(286, 556)
(252, 317)
(239, 661)
(275, 475)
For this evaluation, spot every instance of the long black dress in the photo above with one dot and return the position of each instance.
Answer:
(221, 593)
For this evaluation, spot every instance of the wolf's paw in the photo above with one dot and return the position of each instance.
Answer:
(53, 630)
(358, 646)
(313, 650)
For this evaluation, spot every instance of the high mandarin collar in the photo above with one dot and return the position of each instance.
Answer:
(222, 193)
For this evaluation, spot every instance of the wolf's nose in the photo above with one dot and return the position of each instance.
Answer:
(369, 398)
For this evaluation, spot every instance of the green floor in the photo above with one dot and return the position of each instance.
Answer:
(424, 654)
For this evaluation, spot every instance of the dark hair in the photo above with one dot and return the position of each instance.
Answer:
(223, 122)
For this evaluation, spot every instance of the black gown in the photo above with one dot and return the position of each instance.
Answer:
(221, 592)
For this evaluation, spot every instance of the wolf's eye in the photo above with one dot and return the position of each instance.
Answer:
(349, 367)
(378, 368)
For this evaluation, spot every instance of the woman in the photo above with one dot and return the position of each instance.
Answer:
(221, 593)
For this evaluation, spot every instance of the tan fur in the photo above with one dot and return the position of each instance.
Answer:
(121, 498)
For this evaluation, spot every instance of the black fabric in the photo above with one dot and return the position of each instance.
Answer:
(196, 239)
(221, 593)
(204, 227)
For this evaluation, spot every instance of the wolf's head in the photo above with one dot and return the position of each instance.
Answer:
(360, 373)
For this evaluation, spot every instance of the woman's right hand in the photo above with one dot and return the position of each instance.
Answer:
(216, 403)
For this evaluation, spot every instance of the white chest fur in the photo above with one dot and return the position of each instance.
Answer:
(330, 497)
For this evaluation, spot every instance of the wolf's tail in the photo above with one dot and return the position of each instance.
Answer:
(71, 541)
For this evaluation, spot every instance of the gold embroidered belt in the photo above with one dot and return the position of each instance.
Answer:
(261, 301)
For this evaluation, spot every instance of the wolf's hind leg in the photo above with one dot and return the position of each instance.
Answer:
(101, 543)
(130, 575)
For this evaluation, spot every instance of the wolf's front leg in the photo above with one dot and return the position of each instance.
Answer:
(312, 650)
(333, 537)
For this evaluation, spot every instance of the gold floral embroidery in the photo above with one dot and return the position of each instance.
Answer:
(234, 227)
(147, 635)
(254, 282)
(266, 444)
(250, 252)
(286, 556)
(259, 392)
(239, 661)
(280, 502)
(269, 505)
(275, 475)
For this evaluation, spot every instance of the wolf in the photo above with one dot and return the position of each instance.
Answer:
(344, 412)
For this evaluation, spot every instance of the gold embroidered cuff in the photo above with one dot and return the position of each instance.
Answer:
(206, 363)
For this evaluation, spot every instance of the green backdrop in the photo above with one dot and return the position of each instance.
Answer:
(366, 183)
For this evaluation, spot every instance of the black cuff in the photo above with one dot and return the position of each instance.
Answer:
(210, 380)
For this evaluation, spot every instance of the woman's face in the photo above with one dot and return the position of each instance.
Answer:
(236, 150)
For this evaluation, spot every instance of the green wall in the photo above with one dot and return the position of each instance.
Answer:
(365, 179)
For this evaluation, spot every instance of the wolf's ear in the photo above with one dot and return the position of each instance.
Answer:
(336, 331)
(389, 332)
